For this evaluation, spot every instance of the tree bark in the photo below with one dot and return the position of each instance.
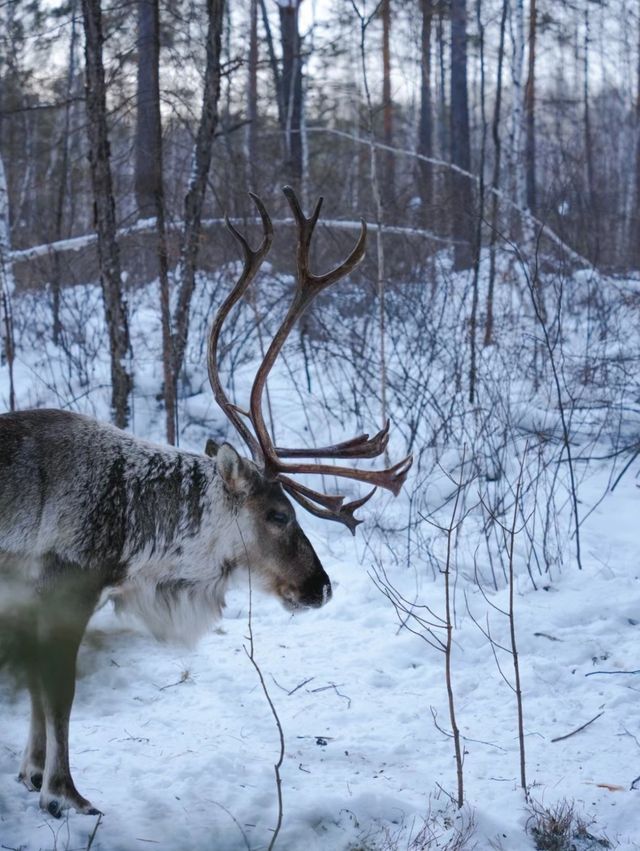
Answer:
(529, 108)
(634, 230)
(292, 89)
(64, 173)
(6, 285)
(148, 174)
(149, 182)
(460, 144)
(388, 186)
(104, 212)
(495, 179)
(194, 200)
(425, 130)
(252, 96)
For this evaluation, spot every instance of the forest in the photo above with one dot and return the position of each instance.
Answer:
(471, 683)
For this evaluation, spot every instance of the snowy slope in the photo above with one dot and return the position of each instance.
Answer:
(178, 747)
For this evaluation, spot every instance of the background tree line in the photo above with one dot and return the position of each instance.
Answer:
(469, 126)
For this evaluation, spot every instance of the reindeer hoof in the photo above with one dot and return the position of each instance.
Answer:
(55, 803)
(54, 809)
(31, 777)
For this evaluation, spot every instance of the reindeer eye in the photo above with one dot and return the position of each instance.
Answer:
(278, 517)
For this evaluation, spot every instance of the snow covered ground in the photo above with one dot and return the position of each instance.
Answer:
(178, 748)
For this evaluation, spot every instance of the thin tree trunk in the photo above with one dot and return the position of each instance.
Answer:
(148, 175)
(635, 217)
(252, 96)
(105, 215)
(292, 90)
(593, 250)
(149, 182)
(388, 186)
(460, 144)
(517, 71)
(6, 285)
(194, 200)
(495, 180)
(529, 106)
(473, 319)
(64, 175)
(273, 62)
(425, 131)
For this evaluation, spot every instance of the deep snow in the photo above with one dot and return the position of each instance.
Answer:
(178, 747)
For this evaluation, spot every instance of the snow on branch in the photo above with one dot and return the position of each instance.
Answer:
(78, 243)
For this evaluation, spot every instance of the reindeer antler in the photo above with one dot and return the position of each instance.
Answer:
(308, 286)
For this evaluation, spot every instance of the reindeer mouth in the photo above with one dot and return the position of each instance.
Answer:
(293, 602)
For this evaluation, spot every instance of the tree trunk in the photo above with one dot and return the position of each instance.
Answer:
(6, 285)
(473, 318)
(273, 62)
(194, 200)
(292, 89)
(529, 107)
(517, 71)
(149, 182)
(495, 179)
(388, 186)
(148, 161)
(634, 230)
(252, 97)
(460, 145)
(104, 211)
(425, 130)
(64, 174)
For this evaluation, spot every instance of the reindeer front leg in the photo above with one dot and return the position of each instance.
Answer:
(32, 767)
(63, 617)
(58, 790)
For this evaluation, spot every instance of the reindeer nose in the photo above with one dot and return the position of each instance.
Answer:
(316, 591)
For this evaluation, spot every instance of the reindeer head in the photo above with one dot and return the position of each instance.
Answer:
(276, 547)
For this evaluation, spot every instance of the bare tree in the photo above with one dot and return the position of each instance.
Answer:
(425, 130)
(104, 211)
(149, 181)
(6, 284)
(194, 200)
(148, 149)
(529, 108)
(388, 186)
(291, 87)
(460, 143)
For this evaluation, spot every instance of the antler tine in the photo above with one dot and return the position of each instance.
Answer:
(361, 446)
(253, 260)
(306, 280)
(333, 502)
(345, 515)
(390, 479)
(308, 286)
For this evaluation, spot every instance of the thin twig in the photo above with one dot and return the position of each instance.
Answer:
(578, 729)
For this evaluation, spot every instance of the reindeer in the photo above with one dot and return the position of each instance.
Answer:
(87, 510)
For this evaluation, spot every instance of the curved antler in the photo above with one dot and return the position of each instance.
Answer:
(308, 286)
(252, 262)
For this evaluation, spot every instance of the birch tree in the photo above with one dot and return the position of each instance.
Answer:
(6, 285)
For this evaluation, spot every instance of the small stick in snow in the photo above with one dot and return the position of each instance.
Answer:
(94, 831)
(546, 635)
(578, 729)
(592, 673)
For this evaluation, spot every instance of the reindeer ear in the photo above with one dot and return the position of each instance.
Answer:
(211, 448)
(234, 470)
